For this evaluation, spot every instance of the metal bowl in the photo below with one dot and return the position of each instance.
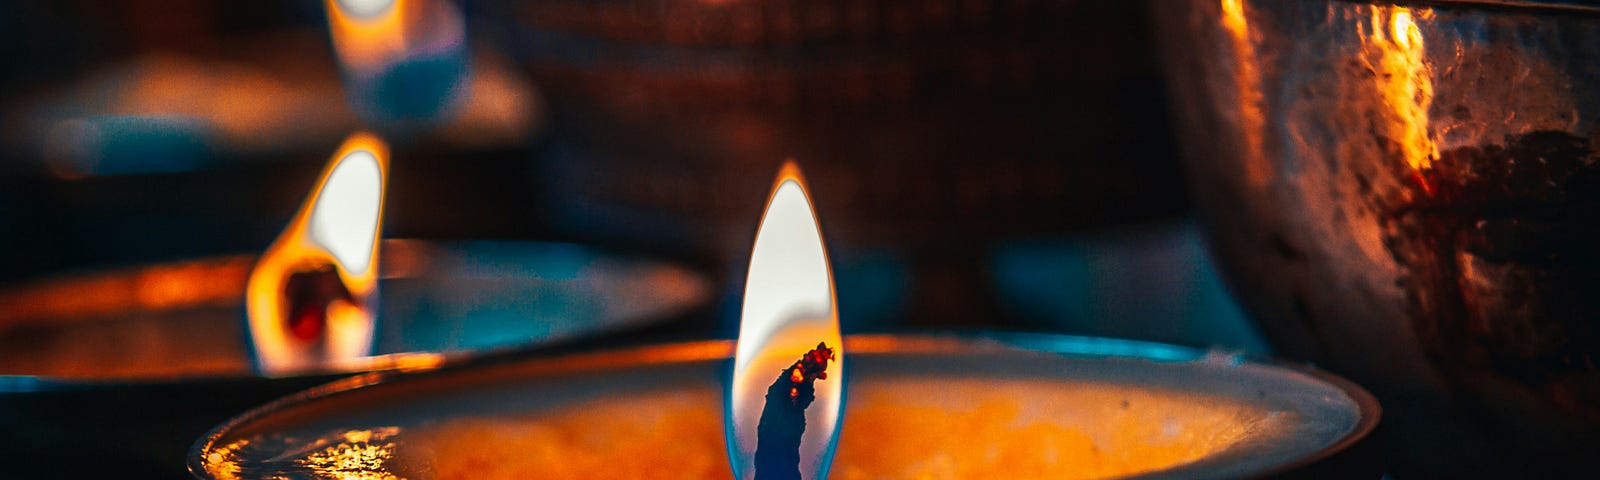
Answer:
(310, 433)
(125, 368)
(1410, 195)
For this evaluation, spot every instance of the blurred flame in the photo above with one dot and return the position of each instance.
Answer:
(1396, 45)
(789, 307)
(404, 62)
(1247, 85)
(329, 252)
(367, 32)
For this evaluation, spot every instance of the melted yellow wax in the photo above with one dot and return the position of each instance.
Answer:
(911, 429)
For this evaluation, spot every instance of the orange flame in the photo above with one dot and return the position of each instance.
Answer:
(789, 306)
(367, 32)
(1396, 47)
(308, 297)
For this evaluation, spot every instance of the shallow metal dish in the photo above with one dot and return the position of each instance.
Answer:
(127, 367)
(276, 439)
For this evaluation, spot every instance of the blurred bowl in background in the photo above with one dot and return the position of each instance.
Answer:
(1411, 196)
(1152, 282)
(931, 128)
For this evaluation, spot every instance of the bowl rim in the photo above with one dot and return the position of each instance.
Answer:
(546, 362)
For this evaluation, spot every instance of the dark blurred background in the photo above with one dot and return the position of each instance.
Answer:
(975, 163)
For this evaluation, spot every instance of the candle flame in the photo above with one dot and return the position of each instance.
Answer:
(367, 32)
(789, 307)
(404, 62)
(309, 297)
(371, 34)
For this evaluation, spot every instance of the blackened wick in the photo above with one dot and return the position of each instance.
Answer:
(783, 418)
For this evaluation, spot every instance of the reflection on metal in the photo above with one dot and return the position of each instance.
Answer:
(309, 297)
(789, 307)
(1247, 82)
(1430, 227)
(354, 455)
(358, 454)
(1398, 56)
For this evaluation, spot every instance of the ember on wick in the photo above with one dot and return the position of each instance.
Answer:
(783, 418)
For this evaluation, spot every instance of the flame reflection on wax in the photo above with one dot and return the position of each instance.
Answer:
(789, 306)
(309, 297)
(367, 32)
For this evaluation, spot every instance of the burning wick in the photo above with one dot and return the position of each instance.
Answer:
(810, 368)
(783, 420)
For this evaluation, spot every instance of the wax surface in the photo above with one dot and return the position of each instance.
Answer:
(902, 428)
(917, 407)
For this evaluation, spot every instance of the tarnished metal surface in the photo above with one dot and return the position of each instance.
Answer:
(1410, 194)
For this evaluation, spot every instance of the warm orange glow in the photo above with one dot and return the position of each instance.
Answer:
(1114, 431)
(364, 38)
(323, 268)
(789, 306)
(1247, 86)
(899, 428)
(1233, 17)
(1398, 53)
(402, 362)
